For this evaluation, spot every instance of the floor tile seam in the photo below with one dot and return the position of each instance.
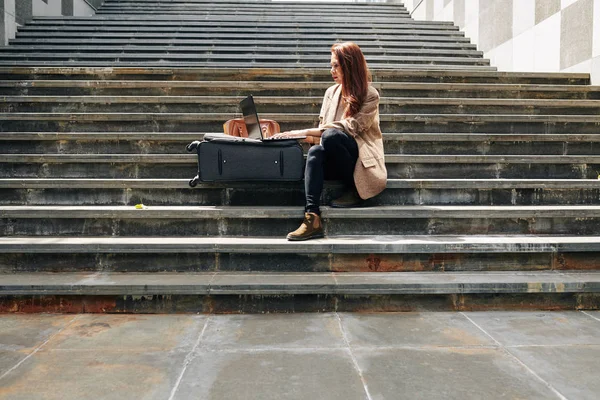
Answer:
(38, 348)
(353, 357)
(271, 349)
(524, 346)
(589, 315)
(518, 360)
(188, 359)
(332, 349)
(118, 350)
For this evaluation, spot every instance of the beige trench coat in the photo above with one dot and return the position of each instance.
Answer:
(370, 174)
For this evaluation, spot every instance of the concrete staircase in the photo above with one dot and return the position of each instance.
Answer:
(493, 200)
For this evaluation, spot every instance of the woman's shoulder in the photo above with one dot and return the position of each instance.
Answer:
(331, 89)
(372, 92)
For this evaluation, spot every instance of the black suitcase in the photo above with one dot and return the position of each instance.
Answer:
(231, 158)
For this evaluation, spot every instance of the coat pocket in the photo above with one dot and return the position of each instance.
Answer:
(369, 162)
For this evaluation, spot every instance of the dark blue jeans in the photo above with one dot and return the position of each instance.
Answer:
(333, 159)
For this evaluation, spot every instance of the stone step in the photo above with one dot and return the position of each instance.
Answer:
(260, 36)
(293, 20)
(185, 21)
(227, 283)
(394, 143)
(94, 191)
(227, 65)
(258, 59)
(516, 92)
(262, 4)
(224, 292)
(265, 6)
(212, 122)
(291, 24)
(240, 51)
(244, 76)
(335, 253)
(203, 12)
(217, 221)
(180, 166)
(245, 28)
(227, 44)
(291, 104)
(318, 9)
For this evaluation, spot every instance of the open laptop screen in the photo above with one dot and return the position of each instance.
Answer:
(251, 118)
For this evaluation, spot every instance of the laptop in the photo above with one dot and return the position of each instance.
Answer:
(252, 121)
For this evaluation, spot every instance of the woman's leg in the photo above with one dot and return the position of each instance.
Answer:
(341, 154)
(334, 158)
(313, 178)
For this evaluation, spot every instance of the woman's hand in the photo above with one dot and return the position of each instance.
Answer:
(290, 134)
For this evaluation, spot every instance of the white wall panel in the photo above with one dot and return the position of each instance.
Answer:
(438, 9)
(418, 13)
(566, 3)
(502, 56)
(524, 52)
(82, 9)
(51, 9)
(596, 40)
(448, 12)
(596, 70)
(585, 66)
(471, 11)
(547, 44)
(9, 7)
(523, 16)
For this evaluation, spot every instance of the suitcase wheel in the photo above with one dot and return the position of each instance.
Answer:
(192, 146)
(194, 181)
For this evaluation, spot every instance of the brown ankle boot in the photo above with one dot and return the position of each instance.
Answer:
(311, 228)
(350, 198)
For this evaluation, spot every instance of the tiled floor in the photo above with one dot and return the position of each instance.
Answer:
(479, 355)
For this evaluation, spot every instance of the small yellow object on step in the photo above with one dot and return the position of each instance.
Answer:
(140, 206)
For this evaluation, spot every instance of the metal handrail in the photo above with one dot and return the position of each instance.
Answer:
(417, 6)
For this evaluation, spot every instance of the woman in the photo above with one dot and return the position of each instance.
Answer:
(350, 143)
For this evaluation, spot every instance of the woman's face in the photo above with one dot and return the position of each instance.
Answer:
(336, 70)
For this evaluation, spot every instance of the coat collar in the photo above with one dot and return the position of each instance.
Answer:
(334, 103)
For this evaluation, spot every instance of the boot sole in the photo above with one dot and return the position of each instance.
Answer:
(356, 205)
(299, 239)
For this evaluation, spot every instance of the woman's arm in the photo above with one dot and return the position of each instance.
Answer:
(363, 120)
(309, 133)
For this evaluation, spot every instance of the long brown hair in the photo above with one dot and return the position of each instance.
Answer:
(356, 75)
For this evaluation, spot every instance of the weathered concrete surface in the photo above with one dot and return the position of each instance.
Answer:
(550, 329)
(572, 370)
(293, 74)
(272, 375)
(138, 333)
(55, 374)
(23, 333)
(325, 356)
(438, 329)
(293, 331)
(447, 373)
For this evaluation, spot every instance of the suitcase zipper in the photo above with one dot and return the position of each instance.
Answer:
(220, 162)
(281, 163)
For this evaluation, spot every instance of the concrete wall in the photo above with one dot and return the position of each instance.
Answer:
(8, 17)
(525, 35)
(46, 8)
(82, 9)
(14, 13)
